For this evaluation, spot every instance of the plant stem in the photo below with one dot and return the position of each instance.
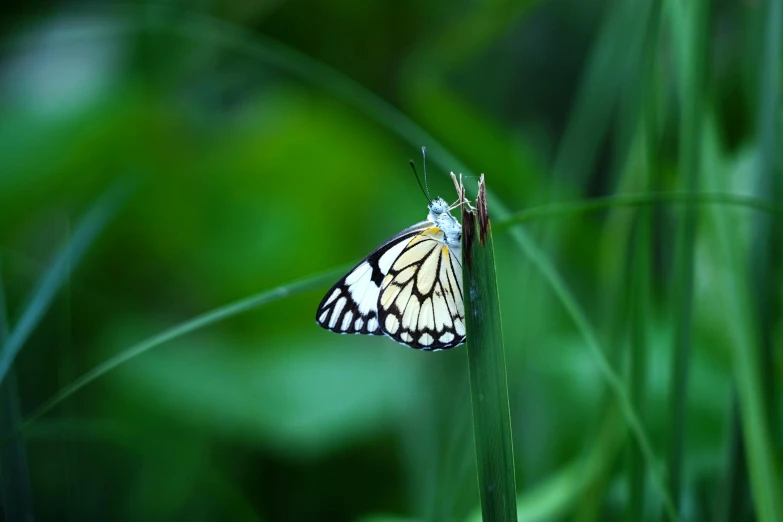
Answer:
(487, 366)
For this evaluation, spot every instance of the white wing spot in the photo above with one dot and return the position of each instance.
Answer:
(442, 316)
(332, 297)
(372, 324)
(346, 320)
(338, 308)
(392, 324)
(411, 314)
(323, 316)
(459, 326)
(358, 324)
(446, 338)
(406, 337)
(426, 339)
(425, 315)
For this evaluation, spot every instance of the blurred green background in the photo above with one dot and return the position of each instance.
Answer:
(254, 144)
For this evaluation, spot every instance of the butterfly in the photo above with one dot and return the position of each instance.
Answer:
(409, 288)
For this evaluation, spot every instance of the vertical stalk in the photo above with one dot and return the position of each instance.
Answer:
(757, 387)
(637, 375)
(768, 234)
(15, 496)
(733, 506)
(692, 71)
(487, 366)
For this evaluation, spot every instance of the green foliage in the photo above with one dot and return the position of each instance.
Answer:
(268, 143)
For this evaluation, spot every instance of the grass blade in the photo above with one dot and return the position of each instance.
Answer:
(765, 261)
(637, 375)
(767, 250)
(487, 365)
(734, 507)
(15, 497)
(640, 200)
(201, 321)
(609, 63)
(88, 229)
(692, 74)
(738, 317)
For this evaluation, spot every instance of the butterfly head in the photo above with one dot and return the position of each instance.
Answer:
(437, 207)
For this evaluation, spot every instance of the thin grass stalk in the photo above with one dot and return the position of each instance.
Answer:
(768, 233)
(765, 279)
(68, 452)
(611, 429)
(735, 491)
(15, 496)
(737, 316)
(643, 261)
(738, 319)
(86, 232)
(487, 366)
(640, 199)
(637, 374)
(691, 117)
(201, 321)
(613, 55)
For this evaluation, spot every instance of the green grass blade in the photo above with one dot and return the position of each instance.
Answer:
(764, 268)
(554, 210)
(638, 355)
(613, 56)
(487, 366)
(764, 478)
(738, 317)
(88, 229)
(201, 321)
(15, 496)
(692, 75)
(768, 234)
(736, 479)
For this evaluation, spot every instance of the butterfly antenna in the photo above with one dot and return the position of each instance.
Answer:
(424, 167)
(413, 166)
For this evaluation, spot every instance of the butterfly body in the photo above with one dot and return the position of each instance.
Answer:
(409, 288)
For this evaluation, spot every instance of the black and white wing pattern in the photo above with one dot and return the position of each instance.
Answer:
(409, 288)
(421, 303)
(351, 306)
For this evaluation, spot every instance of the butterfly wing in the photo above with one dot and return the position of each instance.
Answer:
(351, 306)
(421, 303)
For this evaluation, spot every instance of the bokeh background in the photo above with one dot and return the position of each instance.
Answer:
(209, 151)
